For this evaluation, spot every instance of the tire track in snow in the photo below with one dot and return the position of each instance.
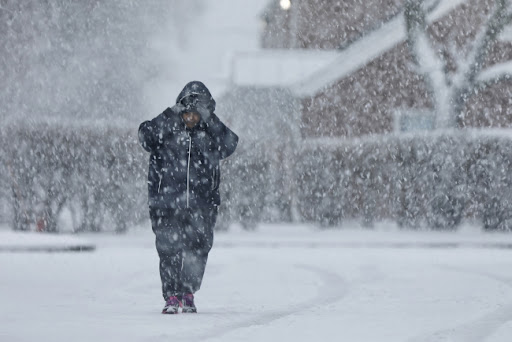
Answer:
(477, 330)
(327, 294)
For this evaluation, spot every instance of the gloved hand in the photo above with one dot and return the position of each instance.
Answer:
(204, 111)
(196, 103)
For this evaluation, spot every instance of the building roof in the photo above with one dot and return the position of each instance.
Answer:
(363, 51)
(306, 72)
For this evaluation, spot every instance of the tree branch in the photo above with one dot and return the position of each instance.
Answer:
(454, 53)
(483, 85)
(493, 75)
(480, 51)
(432, 6)
(421, 51)
(430, 65)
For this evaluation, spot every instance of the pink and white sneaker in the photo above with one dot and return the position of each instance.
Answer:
(188, 303)
(172, 305)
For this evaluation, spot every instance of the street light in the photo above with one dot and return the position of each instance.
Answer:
(285, 4)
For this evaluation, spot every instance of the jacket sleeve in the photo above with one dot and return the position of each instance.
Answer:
(225, 138)
(151, 133)
(147, 138)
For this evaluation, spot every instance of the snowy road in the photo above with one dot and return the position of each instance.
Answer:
(269, 291)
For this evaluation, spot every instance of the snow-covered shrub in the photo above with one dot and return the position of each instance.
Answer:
(95, 171)
(433, 180)
(245, 192)
(341, 179)
(258, 179)
(5, 188)
(489, 174)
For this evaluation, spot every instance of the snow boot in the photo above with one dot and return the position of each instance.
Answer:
(188, 303)
(172, 305)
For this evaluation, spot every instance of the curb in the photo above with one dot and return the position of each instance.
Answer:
(47, 249)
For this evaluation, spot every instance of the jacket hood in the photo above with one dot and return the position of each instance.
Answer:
(205, 103)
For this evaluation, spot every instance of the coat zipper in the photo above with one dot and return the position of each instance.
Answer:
(214, 181)
(188, 168)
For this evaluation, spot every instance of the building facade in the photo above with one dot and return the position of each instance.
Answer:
(373, 83)
(318, 24)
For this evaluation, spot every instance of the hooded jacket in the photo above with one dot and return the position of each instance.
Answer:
(184, 167)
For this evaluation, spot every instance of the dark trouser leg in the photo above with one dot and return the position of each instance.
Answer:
(168, 227)
(198, 241)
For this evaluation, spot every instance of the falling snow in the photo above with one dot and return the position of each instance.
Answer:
(356, 119)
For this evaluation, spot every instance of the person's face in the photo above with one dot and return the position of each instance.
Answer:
(191, 119)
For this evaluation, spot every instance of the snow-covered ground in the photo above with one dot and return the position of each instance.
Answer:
(281, 283)
(38, 242)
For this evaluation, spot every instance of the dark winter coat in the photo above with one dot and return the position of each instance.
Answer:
(184, 163)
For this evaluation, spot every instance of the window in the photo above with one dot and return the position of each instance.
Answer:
(411, 120)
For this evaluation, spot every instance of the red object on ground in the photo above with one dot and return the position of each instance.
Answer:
(41, 225)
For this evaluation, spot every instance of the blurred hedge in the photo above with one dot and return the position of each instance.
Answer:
(98, 172)
(432, 180)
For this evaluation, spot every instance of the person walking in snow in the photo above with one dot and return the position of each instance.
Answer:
(186, 143)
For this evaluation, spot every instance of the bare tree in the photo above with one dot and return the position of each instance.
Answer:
(453, 74)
